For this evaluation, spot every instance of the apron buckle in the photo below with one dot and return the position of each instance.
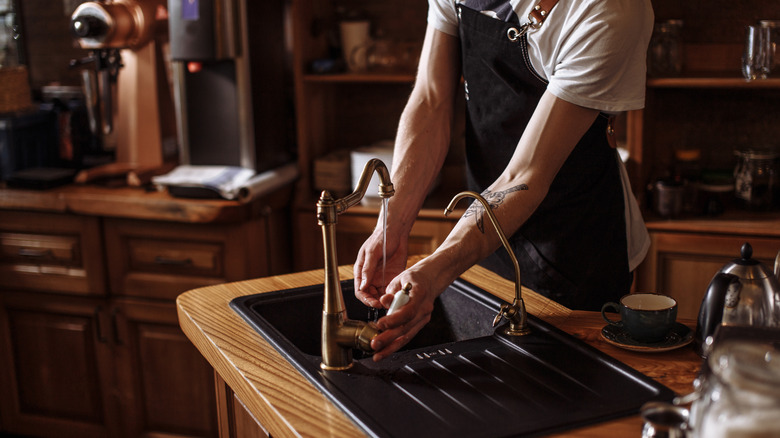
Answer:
(533, 22)
(514, 34)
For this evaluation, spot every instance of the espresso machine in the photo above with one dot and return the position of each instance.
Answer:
(129, 89)
(232, 82)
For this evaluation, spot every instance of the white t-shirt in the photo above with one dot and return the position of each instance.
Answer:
(592, 53)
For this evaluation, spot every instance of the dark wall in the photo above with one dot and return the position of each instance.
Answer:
(47, 42)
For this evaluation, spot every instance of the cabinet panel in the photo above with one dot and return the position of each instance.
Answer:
(56, 364)
(161, 260)
(167, 387)
(353, 230)
(235, 419)
(683, 264)
(52, 252)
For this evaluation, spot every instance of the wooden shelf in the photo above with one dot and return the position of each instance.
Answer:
(712, 81)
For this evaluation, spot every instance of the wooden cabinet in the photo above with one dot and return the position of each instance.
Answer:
(163, 383)
(90, 343)
(90, 367)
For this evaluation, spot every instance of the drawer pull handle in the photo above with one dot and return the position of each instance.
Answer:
(172, 262)
(37, 253)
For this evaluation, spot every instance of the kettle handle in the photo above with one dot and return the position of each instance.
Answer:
(777, 266)
(711, 310)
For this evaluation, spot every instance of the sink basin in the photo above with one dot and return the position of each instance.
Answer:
(458, 376)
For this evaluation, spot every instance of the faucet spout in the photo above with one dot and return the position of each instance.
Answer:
(515, 313)
(341, 335)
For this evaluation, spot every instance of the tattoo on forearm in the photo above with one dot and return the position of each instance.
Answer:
(494, 199)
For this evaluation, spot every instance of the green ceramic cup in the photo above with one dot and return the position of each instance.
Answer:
(645, 317)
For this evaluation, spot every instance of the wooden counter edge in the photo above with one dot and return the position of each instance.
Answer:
(287, 404)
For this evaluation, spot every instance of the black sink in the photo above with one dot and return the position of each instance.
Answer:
(457, 377)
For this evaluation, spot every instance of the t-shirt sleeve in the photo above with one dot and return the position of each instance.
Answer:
(601, 64)
(443, 17)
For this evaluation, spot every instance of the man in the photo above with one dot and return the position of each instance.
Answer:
(540, 91)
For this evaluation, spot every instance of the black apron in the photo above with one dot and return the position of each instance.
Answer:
(572, 249)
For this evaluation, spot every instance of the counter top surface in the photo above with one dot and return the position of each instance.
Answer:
(286, 403)
(735, 222)
(135, 203)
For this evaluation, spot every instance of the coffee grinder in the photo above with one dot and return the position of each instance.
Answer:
(126, 40)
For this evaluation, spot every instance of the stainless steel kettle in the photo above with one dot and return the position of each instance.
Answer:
(743, 293)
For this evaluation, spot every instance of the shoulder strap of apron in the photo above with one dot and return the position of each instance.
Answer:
(540, 12)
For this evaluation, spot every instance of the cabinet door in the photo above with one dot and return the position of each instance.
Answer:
(166, 386)
(55, 366)
(682, 265)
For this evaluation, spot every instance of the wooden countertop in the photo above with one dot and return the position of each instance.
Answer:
(288, 405)
(734, 222)
(136, 203)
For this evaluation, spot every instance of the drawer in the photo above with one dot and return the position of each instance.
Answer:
(171, 256)
(51, 253)
(161, 260)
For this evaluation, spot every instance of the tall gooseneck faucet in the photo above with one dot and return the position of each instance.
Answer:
(515, 313)
(340, 334)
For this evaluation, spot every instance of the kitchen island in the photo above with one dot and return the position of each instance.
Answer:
(254, 377)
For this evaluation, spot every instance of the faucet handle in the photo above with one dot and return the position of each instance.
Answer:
(497, 319)
(505, 308)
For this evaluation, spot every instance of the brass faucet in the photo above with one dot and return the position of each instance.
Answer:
(515, 313)
(340, 334)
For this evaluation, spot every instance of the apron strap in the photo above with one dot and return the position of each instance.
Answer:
(540, 12)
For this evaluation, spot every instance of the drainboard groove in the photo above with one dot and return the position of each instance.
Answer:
(508, 397)
(544, 387)
(429, 386)
(565, 365)
(475, 385)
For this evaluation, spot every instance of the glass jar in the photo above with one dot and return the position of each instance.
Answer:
(773, 56)
(756, 183)
(740, 393)
(665, 55)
